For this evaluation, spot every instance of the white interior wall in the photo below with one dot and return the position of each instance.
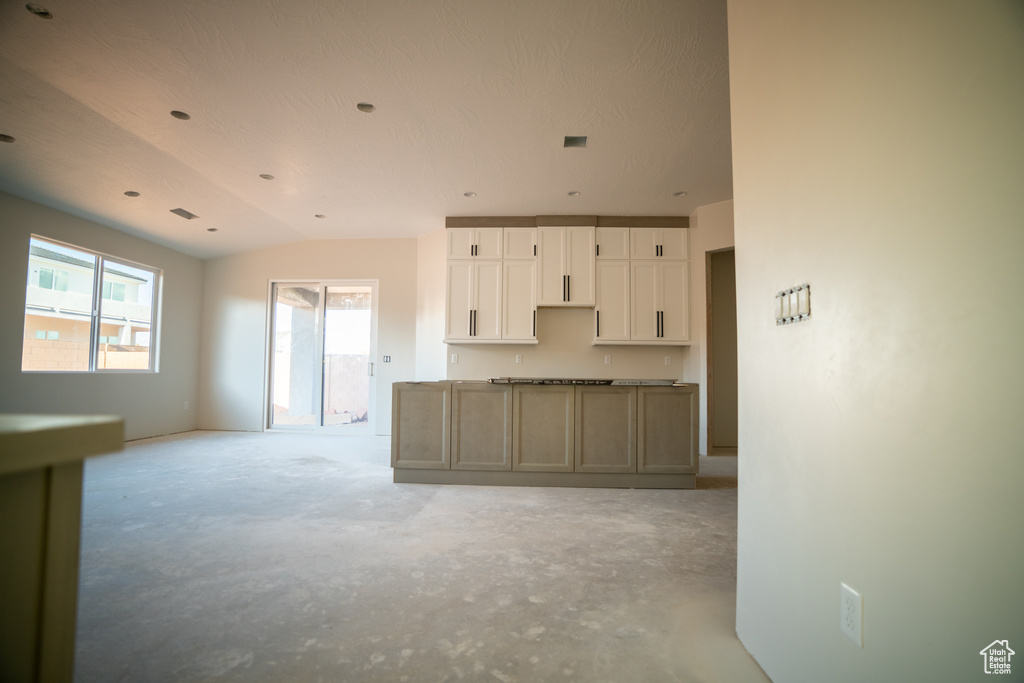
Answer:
(711, 229)
(430, 303)
(151, 403)
(235, 321)
(878, 155)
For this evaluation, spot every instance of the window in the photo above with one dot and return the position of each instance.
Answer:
(87, 312)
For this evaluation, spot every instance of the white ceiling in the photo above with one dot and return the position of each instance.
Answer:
(470, 95)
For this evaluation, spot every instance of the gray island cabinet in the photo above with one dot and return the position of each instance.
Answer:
(623, 436)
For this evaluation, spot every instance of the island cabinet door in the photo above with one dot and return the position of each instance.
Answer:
(481, 426)
(420, 416)
(667, 426)
(605, 429)
(542, 428)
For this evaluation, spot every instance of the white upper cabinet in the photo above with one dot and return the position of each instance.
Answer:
(474, 243)
(473, 311)
(520, 244)
(659, 298)
(565, 269)
(653, 243)
(644, 299)
(612, 244)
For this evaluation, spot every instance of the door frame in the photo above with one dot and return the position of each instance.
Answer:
(268, 384)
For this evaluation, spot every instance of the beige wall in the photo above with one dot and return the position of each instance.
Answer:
(878, 155)
(235, 321)
(430, 303)
(151, 403)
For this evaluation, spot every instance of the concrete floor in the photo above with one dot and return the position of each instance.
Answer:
(213, 556)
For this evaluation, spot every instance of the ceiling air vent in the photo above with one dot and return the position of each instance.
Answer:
(575, 141)
(184, 214)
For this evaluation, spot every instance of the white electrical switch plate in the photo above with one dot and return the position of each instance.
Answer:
(455, 358)
(668, 360)
(608, 360)
(519, 358)
(851, 614)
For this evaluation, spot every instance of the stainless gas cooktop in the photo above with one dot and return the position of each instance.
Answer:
(573, 380)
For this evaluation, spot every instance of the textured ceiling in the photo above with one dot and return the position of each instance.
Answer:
(470, 96)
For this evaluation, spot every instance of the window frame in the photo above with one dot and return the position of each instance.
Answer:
(103, 261)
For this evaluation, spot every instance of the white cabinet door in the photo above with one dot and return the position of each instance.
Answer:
(612, 244)
(519, 314)
(580, 266)
(651, 243)
(659, 297)
(551, 266)
(674, 243)
(675, 301)
(565, 270)
(487, 312)
(520, 243)
(459, 300)
(644, 301)
(473, 300)
(474, 243)
(611, 316)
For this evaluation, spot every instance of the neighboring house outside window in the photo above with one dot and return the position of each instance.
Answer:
(74, 324)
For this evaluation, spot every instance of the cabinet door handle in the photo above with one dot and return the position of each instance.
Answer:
(563, 288)
(568, 287)
(597, 250)
(535, 250)
(598, 323)
(535, 322)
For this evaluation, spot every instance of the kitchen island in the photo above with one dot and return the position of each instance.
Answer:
(546, 432)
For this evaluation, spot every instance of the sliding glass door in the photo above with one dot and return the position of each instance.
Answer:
(323, 336)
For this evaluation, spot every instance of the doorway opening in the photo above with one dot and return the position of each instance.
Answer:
(723, 394)
(322, 344)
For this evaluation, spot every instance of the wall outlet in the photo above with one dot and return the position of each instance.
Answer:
(519, 358)
(186, 405)
(851, 614)
(608, 359)
(668, 360)
(455, 358)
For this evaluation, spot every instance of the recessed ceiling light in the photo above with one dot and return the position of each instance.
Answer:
(575, 141)
(131, 193)
(266, 176)
(6, 138)
(469, 194)
(320, 215)
(365, 107)
(40, 12)
(679, 194)
(180, 115)
(211, 230)
(574, 193)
